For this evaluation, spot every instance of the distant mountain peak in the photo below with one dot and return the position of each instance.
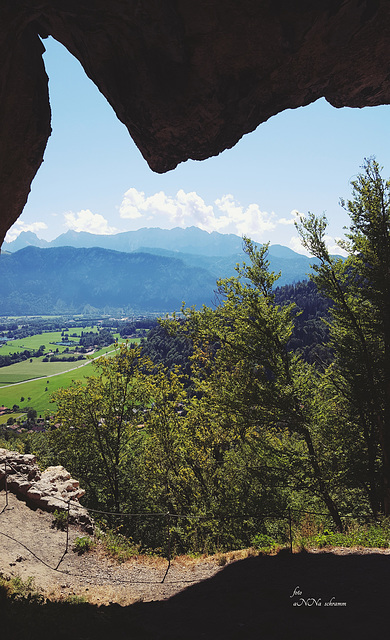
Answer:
(25, 239)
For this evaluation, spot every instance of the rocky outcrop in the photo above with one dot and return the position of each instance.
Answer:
(50, 490)
(188, 79)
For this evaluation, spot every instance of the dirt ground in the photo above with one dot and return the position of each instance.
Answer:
(317, 595)
(31, 546)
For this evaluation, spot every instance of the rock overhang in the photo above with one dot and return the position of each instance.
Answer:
(187, 79)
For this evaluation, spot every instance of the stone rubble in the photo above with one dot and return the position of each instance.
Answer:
(50, 490)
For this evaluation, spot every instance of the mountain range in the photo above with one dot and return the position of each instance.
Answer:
(149, 270)
(189, 240)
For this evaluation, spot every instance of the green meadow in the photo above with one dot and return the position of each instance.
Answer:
(46, 338)
(36, 393)
(27, 370)
(16, 381)
(19, 415)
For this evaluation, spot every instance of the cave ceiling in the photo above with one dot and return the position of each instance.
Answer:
(188, 79)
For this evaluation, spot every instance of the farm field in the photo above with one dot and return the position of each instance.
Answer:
(54, 375)
(18, 415)
(36, 393)
(27, 370)
(46, 338)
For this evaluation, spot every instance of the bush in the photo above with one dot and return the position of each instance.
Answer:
(373, 535)
(74, 599)
(264, 542)
(117, 545)
(60, 519)
(20, 590)
(82, 544)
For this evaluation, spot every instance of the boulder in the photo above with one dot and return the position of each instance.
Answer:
(51, 489)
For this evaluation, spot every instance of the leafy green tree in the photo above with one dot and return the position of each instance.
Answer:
(99, 430)
(359, 288)
(31, 415)
(166, 450)
(251, 390)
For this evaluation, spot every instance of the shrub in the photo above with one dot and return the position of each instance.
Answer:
(264, 542)
(60, 519)
(20, 590)
(117, 545)
(82, 544)
(373, 535)
(74, 599)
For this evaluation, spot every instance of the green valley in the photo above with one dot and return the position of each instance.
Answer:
(29, 382)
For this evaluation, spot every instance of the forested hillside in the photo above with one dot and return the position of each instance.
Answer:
(309, 337)
(67, 280)
(147, 270)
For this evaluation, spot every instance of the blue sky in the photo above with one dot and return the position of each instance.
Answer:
(94, 178)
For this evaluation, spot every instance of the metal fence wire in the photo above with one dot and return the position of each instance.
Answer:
(172, 527)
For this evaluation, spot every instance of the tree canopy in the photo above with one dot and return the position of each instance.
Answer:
(235, 418)
(359, 288)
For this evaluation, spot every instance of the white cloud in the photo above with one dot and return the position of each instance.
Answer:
(18, 227)
(160, 210)
(189, 209)
(295, 217)
(250, 221)
(296, 245)
(85, 220)
(331, 244)
(333, 247)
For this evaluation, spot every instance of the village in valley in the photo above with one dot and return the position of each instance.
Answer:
(40, 354)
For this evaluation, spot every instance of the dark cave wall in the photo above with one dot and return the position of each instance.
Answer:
(188, 79)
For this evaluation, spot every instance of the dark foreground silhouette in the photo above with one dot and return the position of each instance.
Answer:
(307, 596)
